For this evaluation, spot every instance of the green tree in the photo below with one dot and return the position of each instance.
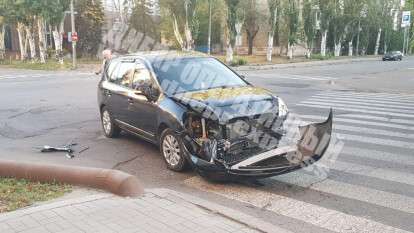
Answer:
(309, 27)
(326, 9)
(273, 6)
(252, 22)
(292, 15)
(232, 6)
(89, 22)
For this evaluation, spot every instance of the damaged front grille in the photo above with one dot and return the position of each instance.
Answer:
(237, 151)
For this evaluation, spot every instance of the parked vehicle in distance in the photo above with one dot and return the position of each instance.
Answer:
(393, 56)
(203, 114)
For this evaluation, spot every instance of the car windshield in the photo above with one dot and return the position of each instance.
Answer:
(194, 74)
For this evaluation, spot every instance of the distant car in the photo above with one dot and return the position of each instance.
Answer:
(393, 56)
(201, 113)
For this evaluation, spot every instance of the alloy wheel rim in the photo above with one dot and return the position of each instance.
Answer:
(106, 121)
(171, 149)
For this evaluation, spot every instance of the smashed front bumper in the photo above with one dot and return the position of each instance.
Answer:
(313, 142)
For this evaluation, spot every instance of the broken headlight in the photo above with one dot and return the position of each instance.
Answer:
(283, 109)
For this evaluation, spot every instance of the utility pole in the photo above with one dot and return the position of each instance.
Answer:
(72, 20)
(404, 43)
(209, 29)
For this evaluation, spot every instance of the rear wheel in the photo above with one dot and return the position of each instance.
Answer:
(172, 150)
(109, 127)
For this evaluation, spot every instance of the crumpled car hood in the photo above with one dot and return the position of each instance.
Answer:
(224, 104)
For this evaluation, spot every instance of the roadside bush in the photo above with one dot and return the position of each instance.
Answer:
(320, 57)
(238, 62)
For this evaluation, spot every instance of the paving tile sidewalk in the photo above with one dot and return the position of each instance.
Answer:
(159, 210)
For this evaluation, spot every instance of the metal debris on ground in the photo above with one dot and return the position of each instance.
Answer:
(66, 148)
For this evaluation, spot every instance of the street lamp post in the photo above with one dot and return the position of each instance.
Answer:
(72, 20)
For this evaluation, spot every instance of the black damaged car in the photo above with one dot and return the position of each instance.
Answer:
(203, 114)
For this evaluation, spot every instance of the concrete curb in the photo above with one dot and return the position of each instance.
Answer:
(240, 217)
(114, 181)
(302, 64)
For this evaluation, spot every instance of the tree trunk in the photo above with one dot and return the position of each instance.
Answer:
(290, 51)
(323, 43)
(2, 46)
(229, 53)
(22, 41)
(269, 48)
(57, 38)
(350, 48)
(177, 33)
(377, 44)
(31, 40)
(250, 40)
(308, 53)
(42, 41)
(338, 49)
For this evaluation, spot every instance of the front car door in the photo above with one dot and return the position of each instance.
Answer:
(116, 88)
(142, 112)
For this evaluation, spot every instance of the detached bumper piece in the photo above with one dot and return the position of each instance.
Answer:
(312, 145)
(314, 141)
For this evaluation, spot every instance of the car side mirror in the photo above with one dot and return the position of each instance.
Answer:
(148, 91)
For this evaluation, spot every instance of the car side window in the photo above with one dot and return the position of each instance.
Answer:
(123, 74)
(110, 69)
(141, 76)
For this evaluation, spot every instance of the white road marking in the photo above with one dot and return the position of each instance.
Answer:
(356, 192)
(362, 99)
(319, 216)
(389, 109)
(377, 118)
(375, 172)
(359, 110)
(342, 118)
(365, 130)
(379, 155)
(296, 77)
(377, 141)
(402, 99)
(360, 102)
(366, 94)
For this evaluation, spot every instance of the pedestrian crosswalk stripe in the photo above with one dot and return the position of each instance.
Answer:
(384, 109)
(339, 128)
(351, 191)
(360, 102)
(358, 110)
(377, 118)
(329, 219)
(377, 141)
(295, 77)
(378, 98)
(365, 130)
(378, 155)
(382, 95)
(375, 172)
(365, 100)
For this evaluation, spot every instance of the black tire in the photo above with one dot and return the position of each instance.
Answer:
(111, 130)
(175, 157)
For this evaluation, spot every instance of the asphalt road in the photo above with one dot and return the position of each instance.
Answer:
(366, 184)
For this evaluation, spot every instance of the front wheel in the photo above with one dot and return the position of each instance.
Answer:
(110, 129)
(172, 150)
